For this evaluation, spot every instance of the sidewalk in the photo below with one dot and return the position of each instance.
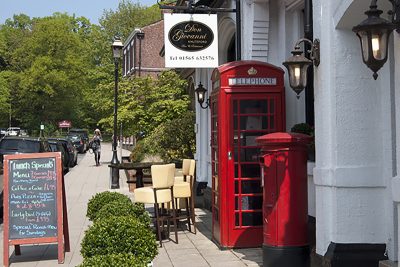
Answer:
(85, 180)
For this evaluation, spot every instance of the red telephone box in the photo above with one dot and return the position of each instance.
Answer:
(247, 101)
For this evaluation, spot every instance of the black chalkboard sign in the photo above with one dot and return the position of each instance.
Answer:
(34, 202)
(32, 198)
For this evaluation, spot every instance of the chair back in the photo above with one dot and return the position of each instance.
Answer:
(192, 167)
(162, 176)
(186, 166)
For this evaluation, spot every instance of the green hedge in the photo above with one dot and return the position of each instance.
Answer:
(124, 234)
(120, 260)
(120, 208)
(101, 199)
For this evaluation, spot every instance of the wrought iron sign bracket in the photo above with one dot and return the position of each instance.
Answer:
(192, 8)
(395, 13)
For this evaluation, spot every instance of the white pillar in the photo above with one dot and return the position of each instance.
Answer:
(352, 134)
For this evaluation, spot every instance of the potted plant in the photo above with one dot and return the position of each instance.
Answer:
(305, 128)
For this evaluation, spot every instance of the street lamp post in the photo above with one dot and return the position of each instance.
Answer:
(117, 48)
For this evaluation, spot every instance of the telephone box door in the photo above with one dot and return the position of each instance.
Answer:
(252, 116)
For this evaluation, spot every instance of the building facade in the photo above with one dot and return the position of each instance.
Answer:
(354, 188)
(141, 51)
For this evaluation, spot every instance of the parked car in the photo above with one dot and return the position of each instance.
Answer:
(23, 132)
(83, 133)
(57, 146)
(13, 131)
(18, 145)
(3, 132)
(10, 145)
(79, 142)
(70, 148)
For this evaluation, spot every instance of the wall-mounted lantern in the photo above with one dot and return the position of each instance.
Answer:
(201, 96)
(374, 33)
(298, 64)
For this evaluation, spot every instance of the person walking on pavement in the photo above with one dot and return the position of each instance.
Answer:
(96, 146)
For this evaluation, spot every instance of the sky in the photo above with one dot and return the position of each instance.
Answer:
(91, 9)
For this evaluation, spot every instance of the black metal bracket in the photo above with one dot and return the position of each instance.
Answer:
(395, 14)
(192, 8)
(207, 104)
(314, 51)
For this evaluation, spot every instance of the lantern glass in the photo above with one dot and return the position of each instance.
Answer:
(200, 97)
(200, 91)
(117, 48)
(298, 76)
(374, 44)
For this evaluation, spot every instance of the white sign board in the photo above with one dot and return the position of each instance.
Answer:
(191, 40)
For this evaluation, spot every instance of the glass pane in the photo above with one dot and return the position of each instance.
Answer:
(251, 186)
(244, 203)
(272, 123)
(249, 154)
(249, 139)
(235, 122)
(235, 153)
(216, 215)
(253, 106)
(236, 187)
(250, 170)
(215, 124)
(252, 219)
(253, 123)
(235, 109)
(236, 203)
(216, 183)
(235, 138)
(251, 202)
(236, 171)
(272, 105)
(237, 219)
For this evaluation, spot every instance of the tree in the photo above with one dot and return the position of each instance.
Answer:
(127, 17)
(5, 89)
(146, 102)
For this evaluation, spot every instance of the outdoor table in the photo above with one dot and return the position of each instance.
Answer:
(138, 166)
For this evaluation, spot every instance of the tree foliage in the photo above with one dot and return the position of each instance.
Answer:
(128, 16)
(172, 140)
(145, 102)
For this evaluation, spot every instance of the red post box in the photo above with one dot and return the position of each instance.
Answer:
(285, 213)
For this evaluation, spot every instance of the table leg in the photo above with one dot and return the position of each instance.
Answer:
(139, 178)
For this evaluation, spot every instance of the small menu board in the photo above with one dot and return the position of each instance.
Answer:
(32, 198)
(34, 204)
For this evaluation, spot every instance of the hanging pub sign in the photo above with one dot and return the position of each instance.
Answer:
(191, 40)
(64, 124)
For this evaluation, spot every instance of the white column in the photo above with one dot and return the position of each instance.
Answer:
(396, 180)
(351, 134)
(203, 131)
